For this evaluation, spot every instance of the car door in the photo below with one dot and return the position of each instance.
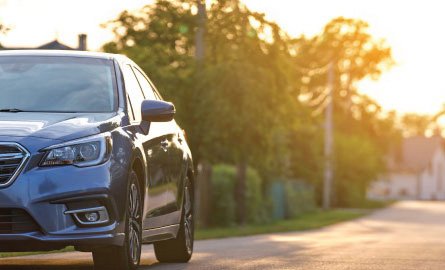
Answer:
(175, 153)
(155, 145)
(178, 160)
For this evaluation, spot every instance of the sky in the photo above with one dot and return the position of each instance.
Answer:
(413, 28)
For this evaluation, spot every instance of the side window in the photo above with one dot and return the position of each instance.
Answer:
(134, 92)
(146, 86)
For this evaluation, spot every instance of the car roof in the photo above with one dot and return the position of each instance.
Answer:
(61, 53)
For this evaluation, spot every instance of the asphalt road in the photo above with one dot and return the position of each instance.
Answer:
(408, 235)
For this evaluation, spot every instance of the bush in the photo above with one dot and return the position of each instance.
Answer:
(291, 198)
(300, 198)
(223, 208)
(255, 202)
(357, 162)
(285, 198)
(222, 211)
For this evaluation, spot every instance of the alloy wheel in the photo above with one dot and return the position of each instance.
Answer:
(134, 223)
(188, 217)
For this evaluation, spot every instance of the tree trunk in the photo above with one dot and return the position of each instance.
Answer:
(240, 192)
(203, 194)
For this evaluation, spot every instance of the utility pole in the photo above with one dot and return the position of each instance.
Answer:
(204, 169)
(200, 33)
(328, 140)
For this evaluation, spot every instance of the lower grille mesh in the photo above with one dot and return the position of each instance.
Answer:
(16, 221)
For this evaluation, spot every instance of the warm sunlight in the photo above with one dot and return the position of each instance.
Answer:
(413, 31)
(222, 134)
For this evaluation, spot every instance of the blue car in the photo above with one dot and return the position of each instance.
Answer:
(91, 157)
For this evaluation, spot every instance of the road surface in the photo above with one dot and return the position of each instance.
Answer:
(408, 235)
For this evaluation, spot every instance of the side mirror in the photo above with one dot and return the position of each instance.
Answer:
(157, 111)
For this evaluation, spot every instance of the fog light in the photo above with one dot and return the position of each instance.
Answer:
(92, 216)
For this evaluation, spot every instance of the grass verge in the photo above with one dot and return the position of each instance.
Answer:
(307, 221)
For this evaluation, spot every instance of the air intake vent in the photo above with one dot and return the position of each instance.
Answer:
(16, 221)
(12, 160)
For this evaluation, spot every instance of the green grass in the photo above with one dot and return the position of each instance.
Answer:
(308, 221)
(371, 204)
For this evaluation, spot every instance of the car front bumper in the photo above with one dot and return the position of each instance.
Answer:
(46, 193)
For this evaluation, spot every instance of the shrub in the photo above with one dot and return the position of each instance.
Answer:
(223, 207)
(222, 211)
(290, 198)
(300, 198)
(255, 203)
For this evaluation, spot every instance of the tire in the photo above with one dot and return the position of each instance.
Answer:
(128, 256)
(180, 249)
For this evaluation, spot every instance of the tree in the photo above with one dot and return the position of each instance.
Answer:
(251, 91)
(160, 39)
(356, 54)
(362, 129)
(240, 102)
(242, 105)
(416, 124)
(357, 163)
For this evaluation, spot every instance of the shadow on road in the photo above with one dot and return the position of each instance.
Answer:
(45, 267)
(74, 267)
(16, 264)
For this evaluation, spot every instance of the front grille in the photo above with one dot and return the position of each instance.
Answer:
(12, 159)
(16, 221)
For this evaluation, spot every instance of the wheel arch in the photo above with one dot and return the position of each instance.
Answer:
(138, 167)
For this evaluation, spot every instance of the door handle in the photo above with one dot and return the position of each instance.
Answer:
(164, 143)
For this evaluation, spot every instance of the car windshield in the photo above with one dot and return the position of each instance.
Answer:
(57, 84)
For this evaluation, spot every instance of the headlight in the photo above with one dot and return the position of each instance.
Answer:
(84, 152)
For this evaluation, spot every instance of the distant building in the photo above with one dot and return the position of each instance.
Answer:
(56, 45)
(415, 171)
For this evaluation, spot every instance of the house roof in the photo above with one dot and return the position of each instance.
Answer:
(415, 153)
(53, 45)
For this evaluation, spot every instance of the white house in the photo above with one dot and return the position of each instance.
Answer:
(415, 171)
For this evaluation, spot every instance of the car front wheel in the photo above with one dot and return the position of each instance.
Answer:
(128, 256)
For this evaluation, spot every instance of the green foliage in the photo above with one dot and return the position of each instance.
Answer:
(244, 76)
(223, 202)
(299, 199)
(160, 39)
(290, 198)
(257, 211)
(258, 97)
(357, 163)
(250, 87)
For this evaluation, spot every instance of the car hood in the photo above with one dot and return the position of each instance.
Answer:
(57, 126)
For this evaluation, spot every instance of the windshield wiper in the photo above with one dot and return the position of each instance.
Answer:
(13, 110)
